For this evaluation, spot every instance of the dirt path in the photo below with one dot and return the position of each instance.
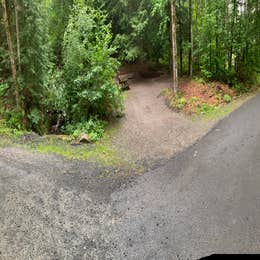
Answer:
(150, 130)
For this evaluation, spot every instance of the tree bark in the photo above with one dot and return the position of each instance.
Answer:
(174, 46)
(190, 40)
(230, 54)
(17, 35)
(181, 42)
(11, 51)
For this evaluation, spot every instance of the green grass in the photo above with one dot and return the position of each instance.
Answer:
(100, 152)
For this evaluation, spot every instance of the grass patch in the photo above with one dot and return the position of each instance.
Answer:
(100, 152)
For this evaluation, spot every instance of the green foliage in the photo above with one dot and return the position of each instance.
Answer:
(59, 13)
(34, 62)
(207, 75)
(94, 128)
(206, 108)
(241, 88)
(182, 102)
(9, 131)
(69, 50)
(176, 101)
(227, 98)
(200, 80)
(89, 69)
(140, 29)
(13, 118)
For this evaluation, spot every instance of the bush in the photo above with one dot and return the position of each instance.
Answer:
(94, 128)
(240, 88)
(89, 69)
(176, 101)
(227, 98)
(6, 130)
(205, 109)
(181, 103)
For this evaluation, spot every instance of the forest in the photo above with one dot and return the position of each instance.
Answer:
(59, 58)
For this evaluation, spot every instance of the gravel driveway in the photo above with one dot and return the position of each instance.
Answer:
(152, 131)
(204, 200)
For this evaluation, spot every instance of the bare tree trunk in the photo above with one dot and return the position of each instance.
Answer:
(181, 43)
(190, 40)
(174, 47)
(11, 51)
(17, 35)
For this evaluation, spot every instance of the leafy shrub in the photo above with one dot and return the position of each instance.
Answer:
(176, 101)
(240, 88)
(227, 98)
(38, 121)
(6, 130)
(94, 128)
(205, 108)
(181, 102)
(200, 80)
(56, 100)
(206, 74)
(13, 118)
(89, 69)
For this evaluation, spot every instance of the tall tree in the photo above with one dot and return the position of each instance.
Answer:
(11, 50)
(190, 39)
(174, 46)
(18, 47)
(59, 13)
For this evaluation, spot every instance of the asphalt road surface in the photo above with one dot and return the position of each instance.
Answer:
(205, 200)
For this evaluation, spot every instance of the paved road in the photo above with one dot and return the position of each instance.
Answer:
(206, 200)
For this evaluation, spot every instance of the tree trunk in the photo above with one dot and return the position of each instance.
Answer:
(181, 59)
(230, 54)
(17, 35)
(11, 51)
(181, 42)
(190, 40)
(174, 47)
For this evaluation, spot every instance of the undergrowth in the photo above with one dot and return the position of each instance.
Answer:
(197, 97)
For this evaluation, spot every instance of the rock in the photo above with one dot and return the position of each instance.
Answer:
(84, 138)
(28, 137)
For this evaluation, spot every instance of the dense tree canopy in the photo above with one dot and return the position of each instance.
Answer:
(58, 58)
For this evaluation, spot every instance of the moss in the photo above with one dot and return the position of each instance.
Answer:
(100, 152)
